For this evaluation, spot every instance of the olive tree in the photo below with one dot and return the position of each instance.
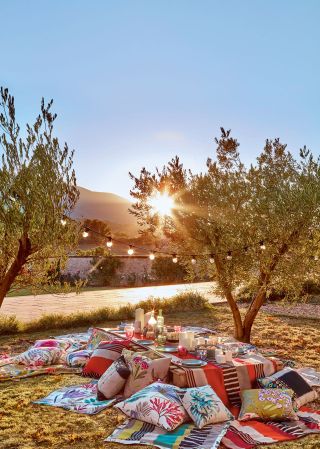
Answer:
(256, 224)
(37, 193)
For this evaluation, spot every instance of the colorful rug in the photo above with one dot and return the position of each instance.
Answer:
(249, 434)
(77, 398)
(16, 372)
(186, 436)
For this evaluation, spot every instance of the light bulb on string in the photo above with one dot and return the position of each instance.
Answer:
(315, 258)
(63, 221)
(193, 260)
(130, 250)
(152, 255)
(109, 242)
(174, 258)
(262, 245)
(245, 250)
(211, 258)
(229, 255)
(85, 233)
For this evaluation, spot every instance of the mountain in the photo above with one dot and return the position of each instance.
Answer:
(108, 207)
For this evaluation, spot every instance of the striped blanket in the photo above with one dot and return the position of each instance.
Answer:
(247, 435)
(234, 435)
(186, 436)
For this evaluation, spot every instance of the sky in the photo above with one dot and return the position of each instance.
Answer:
(136, 82)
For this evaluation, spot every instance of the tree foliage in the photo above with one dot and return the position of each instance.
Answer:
(37, 190)
(102, 231)
(230, 207)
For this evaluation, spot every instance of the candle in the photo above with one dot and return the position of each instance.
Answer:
(228, 356)
(190, 340)
(218, 352)
(220, 358)
(146, 318)
(139, 316)
(183, 339)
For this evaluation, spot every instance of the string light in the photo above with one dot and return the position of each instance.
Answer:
(109, 242)
(211, 258)
(229, 255)
(193, 260)
(152, 255)
(130, 250)
(85, 233)
(246, 249)
(174, 258)
(63, 221)
(262, 245)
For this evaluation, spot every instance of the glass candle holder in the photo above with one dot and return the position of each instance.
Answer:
(129, 330)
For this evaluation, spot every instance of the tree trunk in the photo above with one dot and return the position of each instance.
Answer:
(23, 253)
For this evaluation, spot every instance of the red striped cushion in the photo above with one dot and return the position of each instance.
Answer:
(103, 357)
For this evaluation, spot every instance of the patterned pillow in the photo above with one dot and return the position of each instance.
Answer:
(144, 371)
(204, 406)
(78, 358)
(103, 357)
(157, 404)
(113, 380)
(289, 378)
(97, 335)
(52, 343)
(267, 404)
(39, 357)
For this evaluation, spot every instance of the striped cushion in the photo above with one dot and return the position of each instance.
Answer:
(103, 357)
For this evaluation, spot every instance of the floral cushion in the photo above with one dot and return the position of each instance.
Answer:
(204, 406)
(40, 357)
(157, 404)
(52, 343)
(144, 371)
(113, 380)
(290, 378)
(97, 335)
(267, 404)
(103, 357)
(78, 358)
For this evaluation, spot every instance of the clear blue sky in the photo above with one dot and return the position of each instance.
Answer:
(136, 82)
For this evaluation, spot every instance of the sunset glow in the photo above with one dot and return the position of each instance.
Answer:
(162, 203)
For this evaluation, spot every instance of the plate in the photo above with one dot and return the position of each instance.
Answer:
(167, 348)
(194, 363)
(145, 342)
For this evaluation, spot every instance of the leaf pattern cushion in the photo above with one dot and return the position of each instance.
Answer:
(267, 404)
(144, 371)
(103, 357)
(204, 406)
(40, 357)
(290, 378)
(113, 380)
(157, 404)
(97, 336)
(78, 358)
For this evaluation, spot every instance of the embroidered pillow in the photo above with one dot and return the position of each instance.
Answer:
(97, 335)
(204, 406)
(52, 343)
(144, 371)
(289, 378)
(39, 357)
(113, 380)
(103, 357)
(157, 404)
(78, 358)
(267, 404)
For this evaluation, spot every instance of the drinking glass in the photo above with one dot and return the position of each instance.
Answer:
(129, 329)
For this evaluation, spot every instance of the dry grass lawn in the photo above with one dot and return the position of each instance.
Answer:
(24, 425)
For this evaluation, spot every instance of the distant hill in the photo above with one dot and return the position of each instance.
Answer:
(108, 207)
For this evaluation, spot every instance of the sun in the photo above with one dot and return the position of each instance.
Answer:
(162, 203)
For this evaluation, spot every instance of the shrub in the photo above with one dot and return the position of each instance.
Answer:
(185, 301)
(164, 270)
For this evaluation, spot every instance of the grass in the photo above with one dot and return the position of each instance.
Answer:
(181, 302)
(24, 425)
(29, 291)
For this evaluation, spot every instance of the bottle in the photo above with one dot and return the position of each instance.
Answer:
(160, 322)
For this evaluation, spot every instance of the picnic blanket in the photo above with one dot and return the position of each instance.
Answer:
(248, 434)
(77, 398)
(15, 372)
(185, 436)
(227, 379)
